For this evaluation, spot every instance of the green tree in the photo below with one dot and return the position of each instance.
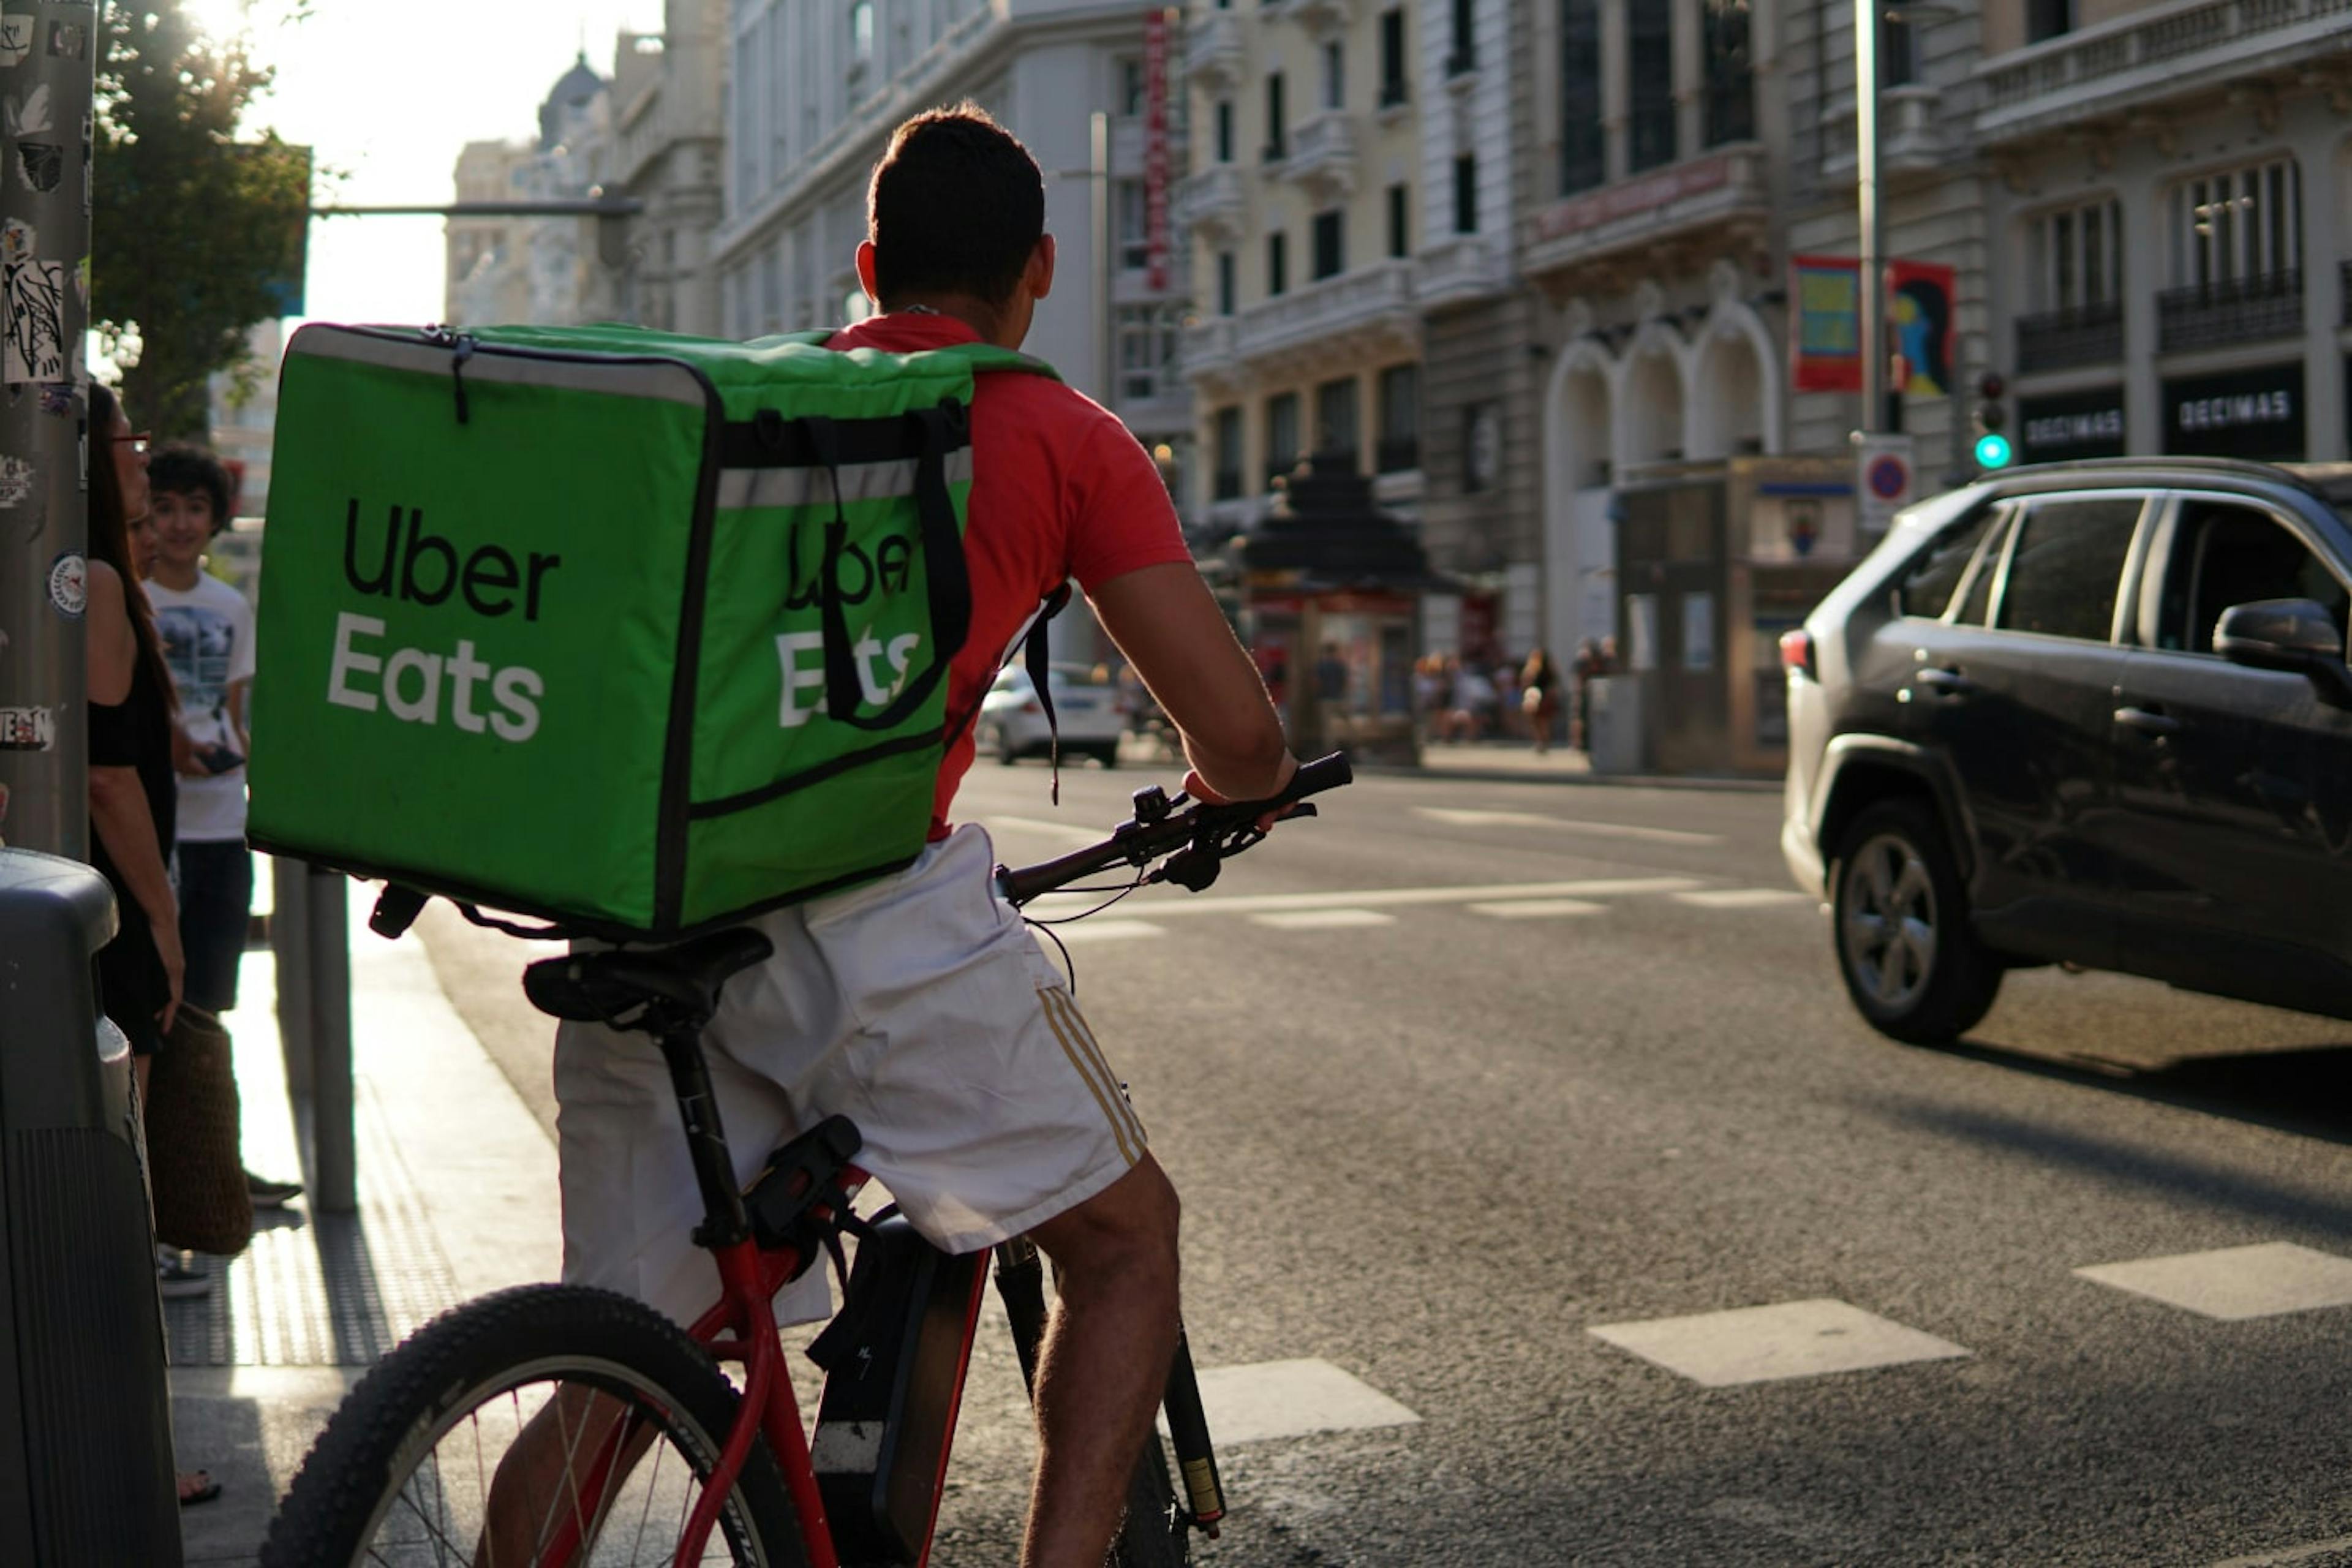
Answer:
(197, 226)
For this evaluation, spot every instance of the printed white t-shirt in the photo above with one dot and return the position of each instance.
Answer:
(207, 633)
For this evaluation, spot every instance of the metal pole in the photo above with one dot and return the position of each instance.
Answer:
(49, 49)
(1873, 262)
(289, 939)
(1098, 176)
(337, 1176)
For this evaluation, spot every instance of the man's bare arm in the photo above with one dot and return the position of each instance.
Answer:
(1167, 623)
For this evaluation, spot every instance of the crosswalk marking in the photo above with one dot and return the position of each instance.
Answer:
(1108, 931)
(2235, 1283)
(1741, 898)
(1537, 908)
(1459, 817)
(1291, 1399)
(1761, 1344)
(1322, 919)
(1393, 898)
(2286, 1554)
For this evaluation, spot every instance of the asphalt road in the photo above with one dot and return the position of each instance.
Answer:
(1434, 1140)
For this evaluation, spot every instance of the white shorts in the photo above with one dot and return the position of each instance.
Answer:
(919, 1007)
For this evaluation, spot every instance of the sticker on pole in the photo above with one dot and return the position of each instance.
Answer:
(69, 585)
(1882, 481)
(27, 729)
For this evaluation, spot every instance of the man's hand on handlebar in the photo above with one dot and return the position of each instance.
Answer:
(1198, 788)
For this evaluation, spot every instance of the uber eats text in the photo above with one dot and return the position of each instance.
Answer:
(421, 568)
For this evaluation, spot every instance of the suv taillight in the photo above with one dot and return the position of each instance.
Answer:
(1797, 651)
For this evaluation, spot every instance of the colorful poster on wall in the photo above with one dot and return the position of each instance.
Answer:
(1825, 339)
(1922, 326)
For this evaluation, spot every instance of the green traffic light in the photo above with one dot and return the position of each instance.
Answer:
(1993, 451)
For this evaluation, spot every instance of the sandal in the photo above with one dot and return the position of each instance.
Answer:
(197, 1486)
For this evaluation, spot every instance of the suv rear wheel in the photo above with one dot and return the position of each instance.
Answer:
(1909, 957)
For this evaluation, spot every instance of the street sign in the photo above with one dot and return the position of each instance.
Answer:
(1882, 478)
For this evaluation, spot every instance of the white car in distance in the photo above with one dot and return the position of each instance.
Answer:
(1088, 704)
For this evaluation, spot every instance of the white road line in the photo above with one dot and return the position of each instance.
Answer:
(2286, 1554)
(1537, 908)
(1291, 1399)
(1323, 920)
(2235, 1283)
(1099, 930)
(1070, 831)
(1763, 1344)
(1390, 898)
(1741, 898)
(1459, 817)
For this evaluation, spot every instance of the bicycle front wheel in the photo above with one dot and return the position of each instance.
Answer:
(1157, 1533)
(545, 1424)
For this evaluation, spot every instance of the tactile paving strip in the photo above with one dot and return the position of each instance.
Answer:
(323, 1291)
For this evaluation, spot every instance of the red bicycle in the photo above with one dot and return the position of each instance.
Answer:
(556, 1425)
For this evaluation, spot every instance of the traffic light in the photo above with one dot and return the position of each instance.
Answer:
(1993, 450)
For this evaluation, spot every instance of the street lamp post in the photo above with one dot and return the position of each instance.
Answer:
(1872, 268)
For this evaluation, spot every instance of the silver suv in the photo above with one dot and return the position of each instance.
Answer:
(2096, 713)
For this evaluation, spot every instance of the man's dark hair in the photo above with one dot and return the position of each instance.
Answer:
(956, 206)
(189, 471)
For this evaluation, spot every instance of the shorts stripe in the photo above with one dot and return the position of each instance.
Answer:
(1080, 1062)
(1093, 1048)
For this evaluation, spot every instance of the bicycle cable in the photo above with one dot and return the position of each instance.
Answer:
(1070, 964)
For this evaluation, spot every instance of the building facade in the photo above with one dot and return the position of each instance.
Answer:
(667, 138)
(815, 93)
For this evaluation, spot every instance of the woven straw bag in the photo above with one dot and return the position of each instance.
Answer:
(202, 1202)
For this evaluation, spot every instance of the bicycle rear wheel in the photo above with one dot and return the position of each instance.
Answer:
(544, 1425)
(1157, 1533)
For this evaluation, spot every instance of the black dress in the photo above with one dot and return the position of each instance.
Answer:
(136, 734)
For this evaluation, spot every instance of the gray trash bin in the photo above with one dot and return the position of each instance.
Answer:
(85, 1409)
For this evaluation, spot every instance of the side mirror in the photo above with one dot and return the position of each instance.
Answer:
(2295, 635)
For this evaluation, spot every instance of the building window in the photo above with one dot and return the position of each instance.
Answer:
(1399, 235)
(2077, 256)
(1652, 63)
(1481, 448)
(1336, 430)
(1731, 74)
(1400, 444)
(1133, 212)
(1146, 351)
(1583, 163)
(1130, 88)
(1466, 193)
(1277, 263)
(1335, 75)
(1228, 288)
(1898, 54)
(1463, 56)
(1331, 244)
(1225, 131)
(2048, 19)
(1277, 117)
(1281, 434)
(1393, 82)
(1227, 482)
(2239, 224)
(861, 31)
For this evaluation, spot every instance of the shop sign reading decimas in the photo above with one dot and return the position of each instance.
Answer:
(1882, 481)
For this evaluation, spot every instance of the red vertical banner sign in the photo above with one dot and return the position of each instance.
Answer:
(1155, 148)
(1825, 335)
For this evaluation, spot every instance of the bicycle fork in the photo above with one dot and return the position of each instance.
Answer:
(1021, 1284)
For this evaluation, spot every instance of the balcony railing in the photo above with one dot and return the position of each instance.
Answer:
(1322, 156)
(1726, 194)
(2153, 53)
(1373, 302)
(2229, 310)
(1466, 267)
(2079, 335)
(1396, 454)
(1212, 202)
(1214, 55)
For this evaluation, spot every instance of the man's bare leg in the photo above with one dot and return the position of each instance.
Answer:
(1105, 1361)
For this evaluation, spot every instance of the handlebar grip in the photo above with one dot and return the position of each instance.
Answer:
(1315, 778)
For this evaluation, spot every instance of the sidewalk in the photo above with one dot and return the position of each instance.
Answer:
(1515, 762)
(456, 1196)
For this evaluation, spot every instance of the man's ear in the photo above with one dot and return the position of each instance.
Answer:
(865, 271)
(1038, 276)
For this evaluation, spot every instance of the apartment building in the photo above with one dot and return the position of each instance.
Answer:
(814, 94)
(530, 269)
(1305, 212)
(665, 136)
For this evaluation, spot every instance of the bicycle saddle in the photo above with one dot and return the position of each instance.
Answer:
(601, 987)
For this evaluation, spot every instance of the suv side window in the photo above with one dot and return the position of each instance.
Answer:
(2224, 554)
(2066, 567)
(1931, 579)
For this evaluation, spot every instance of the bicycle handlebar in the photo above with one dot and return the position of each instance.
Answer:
(1145, 838)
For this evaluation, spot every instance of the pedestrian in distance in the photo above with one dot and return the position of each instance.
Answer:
(1539, 686)
(206, 631)
(134, 806)
(1588, 668)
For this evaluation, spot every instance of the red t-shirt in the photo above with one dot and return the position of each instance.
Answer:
(1060, 490)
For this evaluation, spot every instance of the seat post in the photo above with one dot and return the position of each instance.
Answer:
(724, 1223)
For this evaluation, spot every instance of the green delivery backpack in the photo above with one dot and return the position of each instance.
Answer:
(634, 633)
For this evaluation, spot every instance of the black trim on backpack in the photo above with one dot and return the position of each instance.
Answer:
(675, 813)
(768, 440)
(728, 804)
(946, 575)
